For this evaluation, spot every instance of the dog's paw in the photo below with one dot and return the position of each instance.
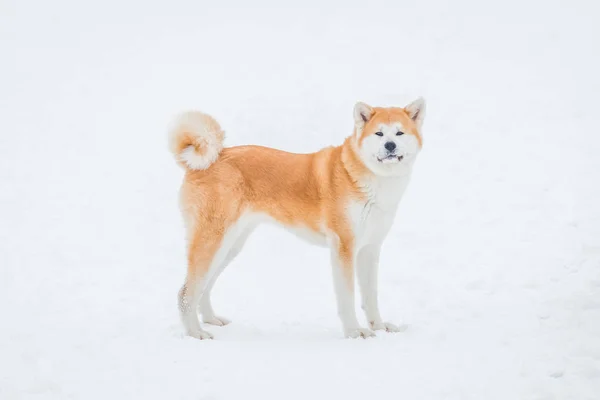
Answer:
(386, 326)
(360, 333)
(216, 320)
(201, 334)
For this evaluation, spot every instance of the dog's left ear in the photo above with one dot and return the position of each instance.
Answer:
(362, 114)
(416, 111)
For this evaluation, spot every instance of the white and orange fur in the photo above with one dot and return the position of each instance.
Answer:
(342, 197)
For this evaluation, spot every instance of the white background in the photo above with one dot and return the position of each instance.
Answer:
(493, 262)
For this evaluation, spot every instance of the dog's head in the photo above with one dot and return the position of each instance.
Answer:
(389, 139)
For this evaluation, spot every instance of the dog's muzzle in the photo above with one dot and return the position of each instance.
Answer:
(391, 158)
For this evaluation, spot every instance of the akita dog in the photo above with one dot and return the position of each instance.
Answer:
(342, 197)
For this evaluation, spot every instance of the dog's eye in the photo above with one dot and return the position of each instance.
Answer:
(379, 133)
(399, 133)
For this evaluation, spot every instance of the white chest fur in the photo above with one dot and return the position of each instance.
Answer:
(373, 218)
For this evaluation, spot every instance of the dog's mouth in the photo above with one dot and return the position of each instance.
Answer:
(391, 158)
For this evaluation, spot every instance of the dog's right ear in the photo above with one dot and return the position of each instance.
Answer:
(362, 114)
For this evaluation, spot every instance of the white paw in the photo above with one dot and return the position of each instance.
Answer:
(360, 333)
(200, 334)
(386, 326)
(215, 320)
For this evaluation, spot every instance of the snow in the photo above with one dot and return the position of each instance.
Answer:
(493, 263)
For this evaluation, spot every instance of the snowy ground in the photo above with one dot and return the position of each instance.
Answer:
(493, 263)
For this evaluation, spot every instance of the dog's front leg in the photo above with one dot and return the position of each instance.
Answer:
(367, 268)
(343, 262)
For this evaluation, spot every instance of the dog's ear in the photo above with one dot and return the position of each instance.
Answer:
(416, 111)
(362, 113)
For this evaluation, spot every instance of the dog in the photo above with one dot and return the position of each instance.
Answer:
(342, 197)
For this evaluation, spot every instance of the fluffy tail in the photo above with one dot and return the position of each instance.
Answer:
(196, 139)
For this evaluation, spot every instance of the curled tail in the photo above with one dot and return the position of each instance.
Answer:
(196, 139)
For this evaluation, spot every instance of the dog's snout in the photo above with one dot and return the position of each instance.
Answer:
(390, 146)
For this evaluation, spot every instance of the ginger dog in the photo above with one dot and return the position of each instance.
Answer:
(342, 197)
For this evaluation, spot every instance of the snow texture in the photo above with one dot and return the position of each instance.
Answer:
(493, 263)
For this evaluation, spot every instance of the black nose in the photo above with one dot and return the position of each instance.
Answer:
(390, 146)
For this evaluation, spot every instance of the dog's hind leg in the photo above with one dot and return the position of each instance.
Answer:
(208, 314)
(207, 252)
